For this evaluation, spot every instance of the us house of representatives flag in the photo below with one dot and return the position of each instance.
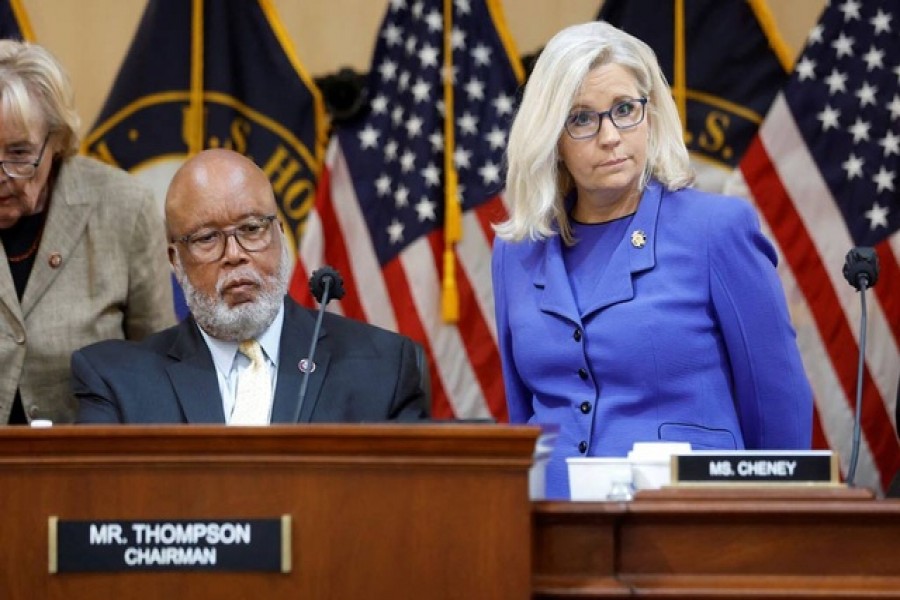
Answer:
(409, 191)
(14, 23)
(724, 60)
(824, 172)
(215, 74)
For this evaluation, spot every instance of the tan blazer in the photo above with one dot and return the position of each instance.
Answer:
(101, 272)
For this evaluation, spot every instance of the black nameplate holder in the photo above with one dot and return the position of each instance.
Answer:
(231, 545)
(756, 468)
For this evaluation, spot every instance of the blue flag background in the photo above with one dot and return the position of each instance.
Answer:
(725, 62)
(215, 73)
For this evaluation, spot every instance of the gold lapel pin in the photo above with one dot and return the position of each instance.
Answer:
(638, 238)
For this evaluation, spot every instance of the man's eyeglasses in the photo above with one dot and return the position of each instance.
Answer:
(208, 245)
(583, 124)
(24, 169)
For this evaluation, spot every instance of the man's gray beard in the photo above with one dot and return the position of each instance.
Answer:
(244, 321)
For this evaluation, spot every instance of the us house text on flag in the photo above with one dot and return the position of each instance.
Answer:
(208, 74)
(724, 60)
(824, 173)
(14, 23)
(409, 191)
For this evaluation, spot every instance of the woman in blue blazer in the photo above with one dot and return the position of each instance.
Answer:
(630, 307)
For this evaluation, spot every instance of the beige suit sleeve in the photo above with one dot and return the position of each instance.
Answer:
(150, 307)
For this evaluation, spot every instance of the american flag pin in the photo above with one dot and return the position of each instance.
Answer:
(638, 238)
(306, 366)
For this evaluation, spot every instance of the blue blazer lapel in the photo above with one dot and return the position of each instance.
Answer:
(550, 276)
(296, 334)
(617, 284)
(193, 376)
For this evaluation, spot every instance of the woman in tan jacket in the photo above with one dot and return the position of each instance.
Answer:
(83, 253)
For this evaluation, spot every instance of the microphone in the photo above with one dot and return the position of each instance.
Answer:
(861, 268)
(325, 284)
(322, 280)
(860, 271)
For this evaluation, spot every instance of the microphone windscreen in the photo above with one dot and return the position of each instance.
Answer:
(317, 283)
(861, 261)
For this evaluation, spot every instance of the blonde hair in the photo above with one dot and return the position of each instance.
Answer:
(537, 182)
(34, 88)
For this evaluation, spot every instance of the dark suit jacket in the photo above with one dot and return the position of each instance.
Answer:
(363, 374)
(894, 489)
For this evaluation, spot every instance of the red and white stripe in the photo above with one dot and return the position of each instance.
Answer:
(802, 219)
(405, 295)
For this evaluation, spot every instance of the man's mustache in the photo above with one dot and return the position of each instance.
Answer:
(240, 276)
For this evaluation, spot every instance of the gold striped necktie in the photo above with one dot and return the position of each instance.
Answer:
(254, 388)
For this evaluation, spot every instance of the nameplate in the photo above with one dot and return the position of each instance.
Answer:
(262, 545)
(811, 467)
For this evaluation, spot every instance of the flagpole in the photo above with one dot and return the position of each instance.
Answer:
(452, 216)
(679, 77)
(194, 117)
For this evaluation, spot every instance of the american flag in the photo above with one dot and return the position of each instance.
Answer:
(381, 214)
(823, 172)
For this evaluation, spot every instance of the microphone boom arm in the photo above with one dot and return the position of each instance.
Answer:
(320, 284)
(860, 271)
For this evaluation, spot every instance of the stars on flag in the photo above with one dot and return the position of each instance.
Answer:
(403, 139)
(856, 82)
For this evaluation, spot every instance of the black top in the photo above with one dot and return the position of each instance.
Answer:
(21, 243)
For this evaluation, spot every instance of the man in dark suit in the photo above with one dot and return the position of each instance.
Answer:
(230, 256)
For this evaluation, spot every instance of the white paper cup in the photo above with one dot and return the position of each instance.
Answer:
(651, 474)
(657, 450)
(592, 478)
(652, 463)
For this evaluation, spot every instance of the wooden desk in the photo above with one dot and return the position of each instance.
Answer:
(690, 543)
(380, 511)
(429, 512)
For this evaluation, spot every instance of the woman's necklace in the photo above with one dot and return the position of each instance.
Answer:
(44, 207)
(31, 250)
